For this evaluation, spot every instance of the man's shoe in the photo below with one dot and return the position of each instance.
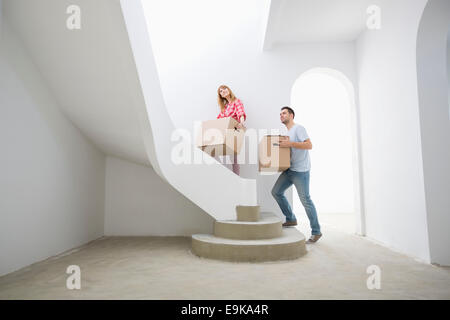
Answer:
(314, 238)
(290, 223)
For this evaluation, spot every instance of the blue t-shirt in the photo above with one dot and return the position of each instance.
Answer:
(300, 161)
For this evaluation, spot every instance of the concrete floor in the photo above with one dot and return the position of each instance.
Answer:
(164, 268)
(345, 222)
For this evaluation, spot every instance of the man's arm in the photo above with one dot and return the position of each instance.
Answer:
(285, 143)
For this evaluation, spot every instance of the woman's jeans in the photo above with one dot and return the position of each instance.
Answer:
(301, 182)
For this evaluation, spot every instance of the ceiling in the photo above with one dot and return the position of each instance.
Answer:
(307, 21)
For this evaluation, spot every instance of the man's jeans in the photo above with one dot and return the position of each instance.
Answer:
(301, 182)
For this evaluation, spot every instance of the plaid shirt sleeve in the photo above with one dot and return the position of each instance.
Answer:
(239, 110)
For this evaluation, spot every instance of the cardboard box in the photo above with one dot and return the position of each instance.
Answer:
(272, 158)
(219, 137)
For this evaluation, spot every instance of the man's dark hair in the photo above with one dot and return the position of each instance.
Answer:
(289, 110)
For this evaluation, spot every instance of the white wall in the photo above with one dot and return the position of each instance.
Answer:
(139, 203)
(435, 124)
(51, 176)
(390, 130)
(198, 50)
(448, 71)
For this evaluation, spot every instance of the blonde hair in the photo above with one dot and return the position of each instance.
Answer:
(222, 101)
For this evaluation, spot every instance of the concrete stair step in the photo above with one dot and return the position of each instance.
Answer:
(248, 213)
(290, 245)
(269, 226)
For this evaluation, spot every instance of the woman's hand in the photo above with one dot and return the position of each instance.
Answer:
(240, 125)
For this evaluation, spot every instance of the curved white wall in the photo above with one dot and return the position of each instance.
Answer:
(390, 130)
(435, 124)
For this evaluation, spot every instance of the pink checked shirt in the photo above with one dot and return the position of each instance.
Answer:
(234, 110)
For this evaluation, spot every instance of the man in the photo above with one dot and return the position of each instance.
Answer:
(297, 174)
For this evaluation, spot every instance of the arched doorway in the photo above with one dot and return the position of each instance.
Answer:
(324, 102)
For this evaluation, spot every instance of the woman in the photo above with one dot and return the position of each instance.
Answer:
(230, 106)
